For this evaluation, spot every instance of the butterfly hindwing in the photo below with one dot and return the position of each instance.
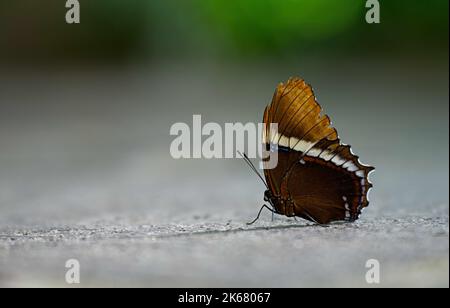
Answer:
(323, 192)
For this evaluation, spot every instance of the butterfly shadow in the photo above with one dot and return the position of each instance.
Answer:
(245, 228)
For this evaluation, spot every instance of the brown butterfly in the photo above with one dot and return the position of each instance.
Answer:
(317, 178)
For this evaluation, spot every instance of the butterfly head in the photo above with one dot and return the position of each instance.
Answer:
(268, 196)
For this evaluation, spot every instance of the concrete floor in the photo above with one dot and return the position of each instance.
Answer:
(412, 251)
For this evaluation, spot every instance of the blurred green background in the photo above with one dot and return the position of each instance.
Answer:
(140, 30)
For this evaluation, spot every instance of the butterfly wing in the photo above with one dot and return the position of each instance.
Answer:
(325, 180)
(284, 160)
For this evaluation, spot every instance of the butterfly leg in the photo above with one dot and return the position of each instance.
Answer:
(259, 213)
(290, 209)
(293, 211)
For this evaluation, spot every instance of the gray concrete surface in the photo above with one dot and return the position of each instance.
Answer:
(85, 173)
(412, 251)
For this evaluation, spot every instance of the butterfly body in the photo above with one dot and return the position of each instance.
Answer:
(281, 205)
(317, 177)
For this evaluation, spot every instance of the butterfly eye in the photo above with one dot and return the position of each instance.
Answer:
(267, 195)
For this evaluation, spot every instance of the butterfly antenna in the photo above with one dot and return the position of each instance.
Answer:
(250, 164)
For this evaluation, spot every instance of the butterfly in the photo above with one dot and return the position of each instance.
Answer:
(316, 177)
